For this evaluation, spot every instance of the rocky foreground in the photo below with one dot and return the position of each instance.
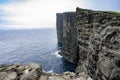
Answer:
(33, 71)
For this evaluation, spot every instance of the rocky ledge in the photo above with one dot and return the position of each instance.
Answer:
(33, 71)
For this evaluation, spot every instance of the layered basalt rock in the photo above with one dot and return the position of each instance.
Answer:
(67, 38)
(59, 24)
(98, 36)
(98, 41)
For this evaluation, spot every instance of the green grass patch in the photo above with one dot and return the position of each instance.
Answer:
(113, 12)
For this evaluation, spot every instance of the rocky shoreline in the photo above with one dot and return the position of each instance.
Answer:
(33, 71)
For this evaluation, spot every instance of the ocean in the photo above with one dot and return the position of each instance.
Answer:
(36, 45)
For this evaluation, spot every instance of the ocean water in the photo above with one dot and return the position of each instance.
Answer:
(37, 45)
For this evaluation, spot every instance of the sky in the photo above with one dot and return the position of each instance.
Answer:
(29, 14)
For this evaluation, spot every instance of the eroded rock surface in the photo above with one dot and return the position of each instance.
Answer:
(98, 36)
(97, 50)
(33, 71)
(66, 32)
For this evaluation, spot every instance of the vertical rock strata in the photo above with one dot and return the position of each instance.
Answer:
(92, 40)
(98, 37)
(59, 28)
(67, 38)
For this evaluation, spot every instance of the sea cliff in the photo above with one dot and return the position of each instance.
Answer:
(91, 39)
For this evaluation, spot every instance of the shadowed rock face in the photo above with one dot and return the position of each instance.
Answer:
(67, 38)
(59, 28)
(98, 41)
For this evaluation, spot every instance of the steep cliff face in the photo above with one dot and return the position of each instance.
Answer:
(67, 38)
(59, 24)
(98, 36)
(98, 39)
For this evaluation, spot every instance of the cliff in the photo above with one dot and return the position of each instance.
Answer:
(91, 39)
(66, 32)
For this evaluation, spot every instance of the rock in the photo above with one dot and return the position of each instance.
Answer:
(90, 39)
(60, 29)
(66, 33)
(20, 69)
(29, 75)
(10, 76)
(105, 67)
(43, 77)
(56, 78)
(83, 76)
(115, 74)
(2, 68)
(69, 75)
(34, 66)
(79, 69)
(32, 72)
(14, 66)
(22, 72)
(2, 75)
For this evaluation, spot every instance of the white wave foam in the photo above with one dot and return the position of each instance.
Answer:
(50, 71)
(57, 55)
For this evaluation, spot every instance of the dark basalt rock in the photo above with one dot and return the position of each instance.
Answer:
(91, 39)
(66, 33)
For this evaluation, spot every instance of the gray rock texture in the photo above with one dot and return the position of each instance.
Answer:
(33, 71)
(96, 48)
(59, 24)
(66, 32)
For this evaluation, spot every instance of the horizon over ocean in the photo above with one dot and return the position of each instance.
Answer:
(33, 45)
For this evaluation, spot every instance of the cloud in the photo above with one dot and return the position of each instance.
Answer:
(108, 5)
(36, 13)
(23, 14)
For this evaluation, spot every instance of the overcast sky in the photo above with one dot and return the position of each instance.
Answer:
(27, 14)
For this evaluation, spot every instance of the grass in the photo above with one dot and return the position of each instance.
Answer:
(113, 12)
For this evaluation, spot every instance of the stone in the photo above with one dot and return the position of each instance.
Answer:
(34, 66)
(66, 33)
(32, 72)
(79, 69)
(2, 75)
(69, 75)
(105, 67)
(29, 75)
(83, 76)
(20, 68)
(11, 76)
(43, 77)
(115, 74)
(90, 39)
(56, 78)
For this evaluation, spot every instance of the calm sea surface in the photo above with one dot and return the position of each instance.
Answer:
(38, 45)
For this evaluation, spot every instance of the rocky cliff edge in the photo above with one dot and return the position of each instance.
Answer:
(91, 39)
